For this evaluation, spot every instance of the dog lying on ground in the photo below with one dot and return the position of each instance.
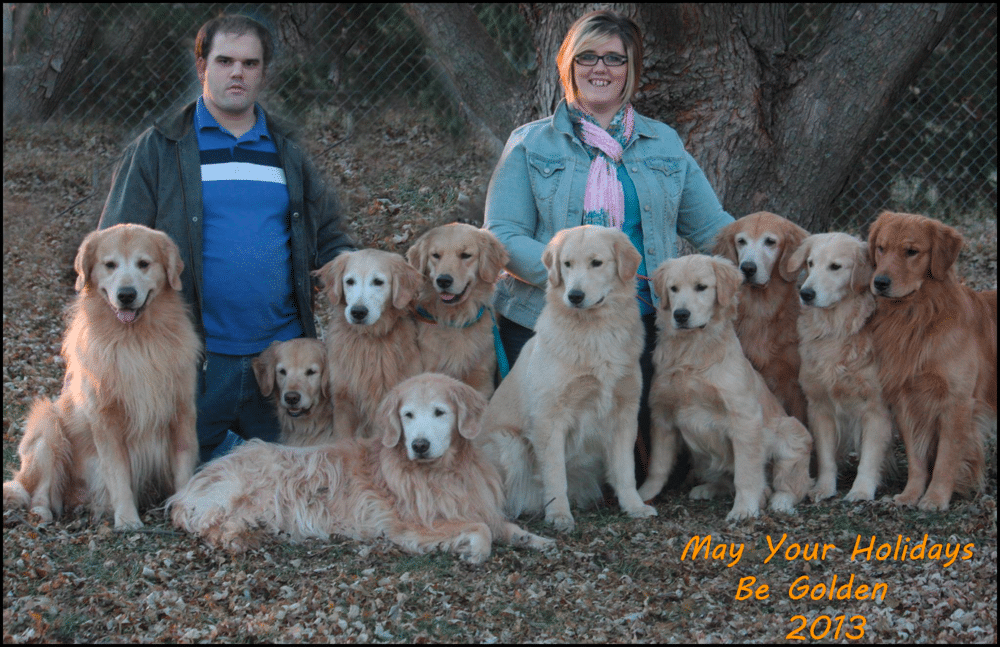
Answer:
(760, 244)
(705, 389)
(455, 326)
(420, 483)
(122, 432)
(935, 340)
(295, 373)
(373, 346)
(566, 415)
(839, 374)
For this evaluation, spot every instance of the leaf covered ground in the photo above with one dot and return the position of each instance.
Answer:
(611, 580)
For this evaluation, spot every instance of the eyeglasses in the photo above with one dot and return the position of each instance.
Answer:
(589, 59)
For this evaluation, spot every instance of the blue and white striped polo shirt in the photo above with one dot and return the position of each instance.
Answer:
(248, 300)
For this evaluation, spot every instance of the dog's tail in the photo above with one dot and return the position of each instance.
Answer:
(45, 453)
(513, 458)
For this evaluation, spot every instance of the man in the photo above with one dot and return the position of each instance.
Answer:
(250, 214)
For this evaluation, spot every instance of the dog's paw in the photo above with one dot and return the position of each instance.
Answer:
(702, 492)
(742, 512)
(908, 496)
(783, 502)
(822, 491)
(648, 491)
(562, 521)
(642, 512)
(859, 494)
(536, 542)
(473, 547)
(932, 503)
(128, 520)
(43, 513)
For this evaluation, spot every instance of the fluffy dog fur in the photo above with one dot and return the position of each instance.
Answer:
(421, 484)
(294, 374)
(122, 432)
(373, 346)
(705, 388)
(839, 373)
(935, 340)
(566, 416)
(455, 328)
(760, 244)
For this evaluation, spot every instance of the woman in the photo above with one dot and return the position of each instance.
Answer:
(553, 174)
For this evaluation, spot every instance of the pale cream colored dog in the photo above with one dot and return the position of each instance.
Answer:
(122, 432)
(706, 391)
(420, 483)
(839, 373)
(565, 419)
(295, 373)
(454, 320)
(372, 339)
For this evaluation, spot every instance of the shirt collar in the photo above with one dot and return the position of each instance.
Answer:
(204, 119)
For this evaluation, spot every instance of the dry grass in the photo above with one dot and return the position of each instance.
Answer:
(612, 579)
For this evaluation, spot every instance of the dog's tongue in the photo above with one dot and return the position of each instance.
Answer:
(448, 298)
(126, 316)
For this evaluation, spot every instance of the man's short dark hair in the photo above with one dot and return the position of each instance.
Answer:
(236, 25)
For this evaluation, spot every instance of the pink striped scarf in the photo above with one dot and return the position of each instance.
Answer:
(604, 200)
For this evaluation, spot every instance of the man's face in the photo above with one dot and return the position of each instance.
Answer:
(233, 74)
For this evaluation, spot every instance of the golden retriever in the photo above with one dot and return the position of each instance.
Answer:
(455, 325)
(122, 432)
(839, 373)
(373, 346)
(421, 483)
(566, 417)
(760, 244)
(705, 388)
(936, 342)
(295, 373)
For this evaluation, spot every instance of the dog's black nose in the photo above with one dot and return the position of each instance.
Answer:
(358, 313)
(681, 316)
(444, 281)
(126, 296)
(420, 446)
(293, 398)
(749, 269)
(576, 297)
(808, 295)
(882, 283)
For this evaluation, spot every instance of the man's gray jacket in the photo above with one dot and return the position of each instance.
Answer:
(158, 184)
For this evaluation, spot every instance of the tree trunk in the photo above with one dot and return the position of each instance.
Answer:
(42, 82)
(771, 130)
(490, 92)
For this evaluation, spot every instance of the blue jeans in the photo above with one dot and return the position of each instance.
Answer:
(230, 400)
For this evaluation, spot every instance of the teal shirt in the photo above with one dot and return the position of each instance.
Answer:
(633, 227)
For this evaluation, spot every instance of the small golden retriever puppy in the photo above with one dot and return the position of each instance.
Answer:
(839, 373)
(760, 244)
(294, 372)
(122, 432)
(455, 324)
(420, 483)
(705, 389)
(373, 346)
(936, 343)
(566, 417)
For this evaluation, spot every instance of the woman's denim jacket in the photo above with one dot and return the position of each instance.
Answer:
(538, 186)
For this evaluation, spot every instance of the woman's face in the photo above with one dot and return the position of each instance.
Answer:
(599, 88)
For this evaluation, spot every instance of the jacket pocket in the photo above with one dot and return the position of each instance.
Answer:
(545, 175)
(668, 172)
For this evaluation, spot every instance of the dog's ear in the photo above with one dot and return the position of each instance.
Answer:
(171, 256)
(861, 273)
(469, 406)
(550, 259)
(493, 256)
(798, 258)
(406, 282)
(946, 243)
(627, 257)
(794, 235)
(331, 277)
(660, 276)
(727, 281)
(725, 242)
(86, 256)
(873, 234)
(416, 255)
(388, 416)
(263, 369)
(324, 371)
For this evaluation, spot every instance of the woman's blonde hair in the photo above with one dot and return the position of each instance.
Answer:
(588, 30)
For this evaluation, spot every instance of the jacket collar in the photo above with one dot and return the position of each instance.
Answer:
(562, 122)
(177, 125)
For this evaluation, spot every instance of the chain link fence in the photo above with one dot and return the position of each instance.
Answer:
(129, 63)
